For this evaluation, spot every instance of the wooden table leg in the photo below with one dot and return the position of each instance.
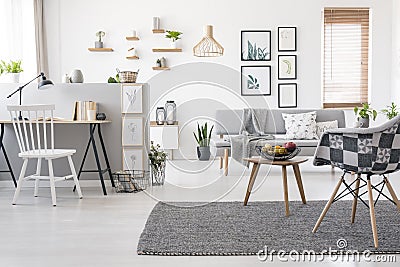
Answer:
(392, 193)
(226, 160)
(372, 213)
(221, 162)
(253, 175)
(285, 189)
(297, 174)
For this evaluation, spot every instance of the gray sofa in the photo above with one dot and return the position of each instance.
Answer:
(228, 123)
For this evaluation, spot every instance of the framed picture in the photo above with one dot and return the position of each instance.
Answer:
(256, 80)
(287, 39)
(132, 96)
(132, 158)
(256, 45)
(287, 67)
(132, 131)
(287, 95)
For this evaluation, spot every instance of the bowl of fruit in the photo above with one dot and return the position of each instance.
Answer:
(278, 152)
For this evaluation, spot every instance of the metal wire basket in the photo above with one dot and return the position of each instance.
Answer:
(131, 181)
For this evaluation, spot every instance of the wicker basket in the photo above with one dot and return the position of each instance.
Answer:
(127, 76)
(131, 181)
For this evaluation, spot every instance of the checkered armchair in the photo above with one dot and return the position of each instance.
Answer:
(361, 151)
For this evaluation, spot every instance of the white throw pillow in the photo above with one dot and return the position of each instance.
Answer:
(301, 125)
(326, 125)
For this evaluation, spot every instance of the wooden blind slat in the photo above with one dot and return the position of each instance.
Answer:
(346, 51)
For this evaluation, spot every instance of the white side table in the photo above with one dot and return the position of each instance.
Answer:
(167, 136)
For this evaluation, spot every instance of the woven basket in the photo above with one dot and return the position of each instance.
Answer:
(127, 76)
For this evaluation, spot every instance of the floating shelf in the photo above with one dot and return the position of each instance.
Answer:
(167, 49)
(105, 49)
(158, 31)
(161, 68)
(132, 57)
(132, 38)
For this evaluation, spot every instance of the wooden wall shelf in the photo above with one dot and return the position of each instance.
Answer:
(158, 31)
(105, 49)
(132, 57)
(161, 68)
(167, 49)
(132, 38)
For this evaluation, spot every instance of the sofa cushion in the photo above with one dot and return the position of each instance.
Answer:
(301, 126)
(326, 125)
(219, 142)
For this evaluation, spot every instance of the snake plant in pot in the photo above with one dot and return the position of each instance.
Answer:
(203, 140)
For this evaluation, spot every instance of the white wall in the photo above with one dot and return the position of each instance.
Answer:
(72, 25)
(396, 53)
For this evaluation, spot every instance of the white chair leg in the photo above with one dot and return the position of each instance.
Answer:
(38, 170)
(20, 181)
(52, 183)
(75, 177)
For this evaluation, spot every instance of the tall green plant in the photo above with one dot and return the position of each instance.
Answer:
(390, 111)
(365, 112)
(10, 67)
(203, 136)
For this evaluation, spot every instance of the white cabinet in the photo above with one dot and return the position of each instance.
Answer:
(165, 135)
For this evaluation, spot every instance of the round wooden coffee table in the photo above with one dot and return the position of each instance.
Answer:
(258, 161)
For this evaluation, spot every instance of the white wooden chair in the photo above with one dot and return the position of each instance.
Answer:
(30, 124)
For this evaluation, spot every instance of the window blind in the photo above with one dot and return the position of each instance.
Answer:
(345, 66)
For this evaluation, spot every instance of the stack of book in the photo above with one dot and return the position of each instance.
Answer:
(81, 110)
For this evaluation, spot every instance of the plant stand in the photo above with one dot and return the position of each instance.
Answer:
(158, 174)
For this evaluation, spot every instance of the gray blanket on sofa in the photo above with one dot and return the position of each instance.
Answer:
(251, 133)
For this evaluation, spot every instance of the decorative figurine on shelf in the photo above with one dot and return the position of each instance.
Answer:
(158, 63)
(170, 110)
(133, 51)
(99, 43)
(160, 115)
(163, 62)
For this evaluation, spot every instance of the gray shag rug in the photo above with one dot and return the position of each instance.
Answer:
(229, 228)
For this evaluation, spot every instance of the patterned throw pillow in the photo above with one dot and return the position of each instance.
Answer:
(301, 125)
(326, 125)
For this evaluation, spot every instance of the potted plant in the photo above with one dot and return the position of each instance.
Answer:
(157, 159)
(203, 140)
(390, 111)
(99, 43)
(174, 36)
(364, 113)
(12, 68)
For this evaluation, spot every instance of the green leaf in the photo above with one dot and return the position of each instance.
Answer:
(195, 137)
(355, 110)
(255, 51)
(374, 114)
(251, 78)
(249, 50)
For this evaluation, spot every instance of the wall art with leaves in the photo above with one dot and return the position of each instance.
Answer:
(255, 45)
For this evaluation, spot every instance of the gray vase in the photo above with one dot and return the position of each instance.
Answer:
(76, 76)
(364, 122)
(98, 44)
(203, 152)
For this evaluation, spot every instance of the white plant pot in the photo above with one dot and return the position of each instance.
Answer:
(13, 77)
(173, 44)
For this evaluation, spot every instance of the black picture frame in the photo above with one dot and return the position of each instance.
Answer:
(287, 67)
(287, 33)
(256, 35)
(281, 96)
(263, 78)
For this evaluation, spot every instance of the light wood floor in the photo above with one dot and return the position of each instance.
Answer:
(104, 231)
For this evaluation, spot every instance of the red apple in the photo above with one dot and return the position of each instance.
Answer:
(290, 146)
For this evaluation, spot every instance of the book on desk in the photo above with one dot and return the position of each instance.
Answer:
(80, 110)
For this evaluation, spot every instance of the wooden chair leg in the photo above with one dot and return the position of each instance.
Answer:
(226, 157)
(357, 189)
(372, 214)
(285, 190)
(297, 174)
(392, 193)
(221, 162)
(38, 170)
(253, 175)
(328, 205)
(20, 181)
(52, 182)
(73, 172)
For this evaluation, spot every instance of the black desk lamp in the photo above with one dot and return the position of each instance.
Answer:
(43, 84)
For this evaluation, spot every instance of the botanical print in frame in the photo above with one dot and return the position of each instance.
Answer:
(287, 39)
(256, 80)
(132, 131)
(256, 45)
(287, 95)
(132, 158)
(132, 96)
(287, 67)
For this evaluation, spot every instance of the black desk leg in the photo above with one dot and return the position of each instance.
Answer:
(96, 155)
(103, 147)
(91, 131)
(5, 155)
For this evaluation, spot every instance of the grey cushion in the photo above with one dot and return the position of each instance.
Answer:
(219, 143)
(229, 121)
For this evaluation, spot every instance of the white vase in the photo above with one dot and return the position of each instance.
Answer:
(13, 77)
(76, 76)
(173, 44)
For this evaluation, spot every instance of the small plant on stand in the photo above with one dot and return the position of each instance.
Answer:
(390, 111)
(157, 159)
(12, 68)
(99, 43)
(364, 113)
(174, 36)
